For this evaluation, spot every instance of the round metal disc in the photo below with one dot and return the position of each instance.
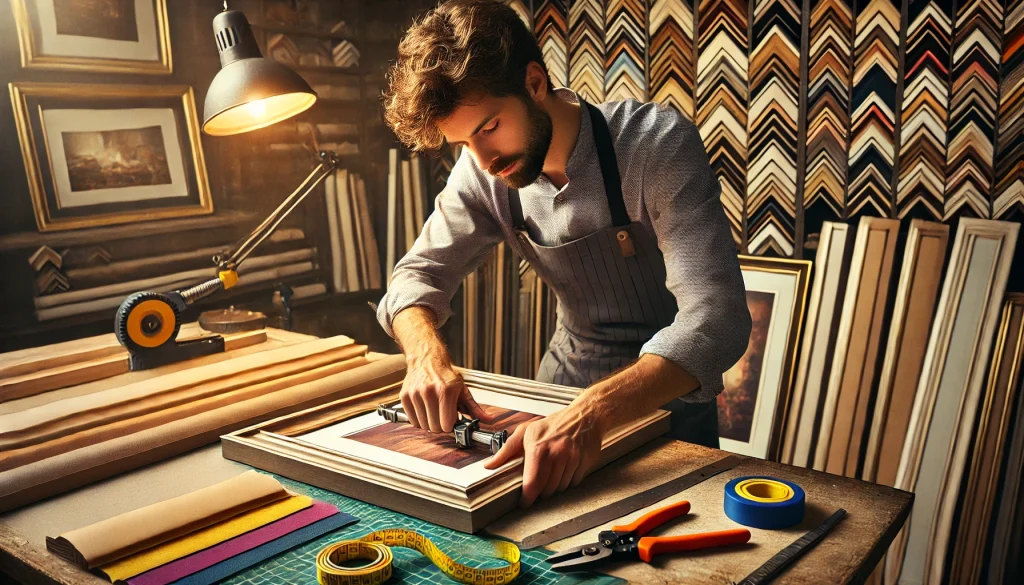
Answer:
(232, 320)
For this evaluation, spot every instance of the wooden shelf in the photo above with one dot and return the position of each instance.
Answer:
(21, 240)
(297, 31)
(242, 294)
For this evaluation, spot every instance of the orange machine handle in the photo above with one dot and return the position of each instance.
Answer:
(652, 546)
(655, 518)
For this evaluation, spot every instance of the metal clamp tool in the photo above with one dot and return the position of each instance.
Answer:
(467, 430)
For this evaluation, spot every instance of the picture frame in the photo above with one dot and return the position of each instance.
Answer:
(752, 409)
(132, 36)
(317, 446)
(110, 154)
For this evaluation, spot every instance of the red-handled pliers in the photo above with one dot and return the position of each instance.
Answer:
(624, 543)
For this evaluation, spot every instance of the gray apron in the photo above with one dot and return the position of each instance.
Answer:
(611, 295)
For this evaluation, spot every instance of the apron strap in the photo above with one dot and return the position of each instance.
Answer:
(609, 173)
(516, 207)
(609, 167)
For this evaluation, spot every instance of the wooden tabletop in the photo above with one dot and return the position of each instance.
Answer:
(847, 554)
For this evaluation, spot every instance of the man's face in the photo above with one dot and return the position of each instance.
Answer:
(509, 136)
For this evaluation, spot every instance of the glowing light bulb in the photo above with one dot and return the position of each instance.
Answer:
(256, 109)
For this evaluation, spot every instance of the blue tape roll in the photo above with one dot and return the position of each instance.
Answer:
(770, 512)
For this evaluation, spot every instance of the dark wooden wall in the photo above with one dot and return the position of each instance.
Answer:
(247, 181)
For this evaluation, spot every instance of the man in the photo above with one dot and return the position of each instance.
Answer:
(616, 208)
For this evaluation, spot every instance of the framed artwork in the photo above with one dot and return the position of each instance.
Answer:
(752, 408)
(346, 447)
(113, 36)
(423, 453)
(110, 154)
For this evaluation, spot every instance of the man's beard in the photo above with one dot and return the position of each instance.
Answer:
(537, 144)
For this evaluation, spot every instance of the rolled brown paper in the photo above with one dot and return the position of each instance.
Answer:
(138, 530)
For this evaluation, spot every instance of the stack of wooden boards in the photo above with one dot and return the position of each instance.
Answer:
(72, 414)
(355, 259)
(201, 537)
(318, 446)
(99, 283)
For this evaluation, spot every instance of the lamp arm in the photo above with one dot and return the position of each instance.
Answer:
(328, 163)
(227, 276)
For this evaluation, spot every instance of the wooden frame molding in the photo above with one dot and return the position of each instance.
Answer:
(979, 497)
(827, 292)
(1008, 529)
(912, 315)
(934, 454)
(856, 351)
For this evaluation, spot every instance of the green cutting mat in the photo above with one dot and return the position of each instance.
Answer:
(298, 566)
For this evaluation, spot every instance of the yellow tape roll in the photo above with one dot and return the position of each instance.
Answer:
(764, 490)
(374, 548)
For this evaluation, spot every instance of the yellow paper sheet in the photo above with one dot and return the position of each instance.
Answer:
(190, 543)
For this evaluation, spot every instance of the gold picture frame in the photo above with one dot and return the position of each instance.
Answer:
(72, 51)
(62, 201)
(753, 407)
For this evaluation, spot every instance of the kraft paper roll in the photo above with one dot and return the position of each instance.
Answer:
(115, 538)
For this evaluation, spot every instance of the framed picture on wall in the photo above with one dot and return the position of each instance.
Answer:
(118, 36)
(109, 154)
(752, 408)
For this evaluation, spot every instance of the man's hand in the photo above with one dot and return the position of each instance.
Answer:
(433, 393)
(559, 450)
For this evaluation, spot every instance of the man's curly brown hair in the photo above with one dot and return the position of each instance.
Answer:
(458, 49)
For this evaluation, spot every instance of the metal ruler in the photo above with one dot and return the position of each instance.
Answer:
(631, 504)
(787, 556)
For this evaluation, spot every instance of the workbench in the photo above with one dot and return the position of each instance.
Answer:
(848, 553)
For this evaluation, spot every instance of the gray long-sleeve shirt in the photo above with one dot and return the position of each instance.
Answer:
(668, 187)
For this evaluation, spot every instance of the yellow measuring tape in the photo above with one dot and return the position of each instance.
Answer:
(374, 548)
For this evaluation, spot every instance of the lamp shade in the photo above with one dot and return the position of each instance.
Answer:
(249, 91)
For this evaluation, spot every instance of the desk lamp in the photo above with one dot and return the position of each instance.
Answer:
(249, 92)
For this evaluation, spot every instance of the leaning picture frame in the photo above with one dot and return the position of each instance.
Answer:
(110, 154)
(127, 36)
(752, 408)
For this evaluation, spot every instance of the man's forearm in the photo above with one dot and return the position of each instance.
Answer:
(416, 334)
(643, 387)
